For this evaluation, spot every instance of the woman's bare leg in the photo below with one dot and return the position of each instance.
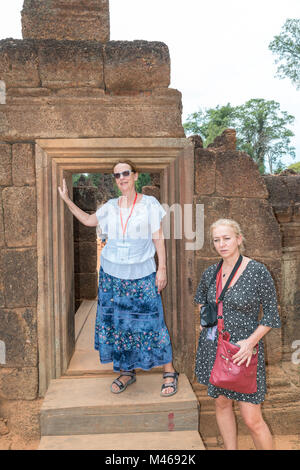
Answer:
(258, 428)
(226, 422)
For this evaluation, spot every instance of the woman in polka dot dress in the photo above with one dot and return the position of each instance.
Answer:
(251, 288)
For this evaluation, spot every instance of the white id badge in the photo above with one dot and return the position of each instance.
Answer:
(123, 252)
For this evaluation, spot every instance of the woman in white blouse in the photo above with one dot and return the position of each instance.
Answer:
(130, 330)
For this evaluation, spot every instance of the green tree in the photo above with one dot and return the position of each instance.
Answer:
(75, 178)
(295, 167)
(210, 123)
(262, 132)
(262, 129)
(286, 46)
(144, 179)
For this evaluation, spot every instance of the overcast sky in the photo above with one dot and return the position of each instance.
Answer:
(219, 49)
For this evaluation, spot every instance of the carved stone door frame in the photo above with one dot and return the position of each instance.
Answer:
(173, 158)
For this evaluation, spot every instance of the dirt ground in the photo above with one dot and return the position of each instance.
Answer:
(289, 442)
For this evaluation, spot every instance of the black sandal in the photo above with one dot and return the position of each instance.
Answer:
(122, 387)
(173, 384)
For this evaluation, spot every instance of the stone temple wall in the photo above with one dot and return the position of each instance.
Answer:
(65, 79)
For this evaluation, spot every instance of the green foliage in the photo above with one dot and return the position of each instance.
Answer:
(295, 167)
(210, 123)
(144, 179)
(104, 182)
(279, 169)
(286, 46)
(262, 129)
(75, 178)
(263, 133)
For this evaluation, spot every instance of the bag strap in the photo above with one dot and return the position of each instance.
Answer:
(221, 296)
(232, 274)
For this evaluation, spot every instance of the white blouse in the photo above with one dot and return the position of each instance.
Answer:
(130, 256)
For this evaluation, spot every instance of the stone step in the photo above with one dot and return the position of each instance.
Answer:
(79, 406)
(175, 440)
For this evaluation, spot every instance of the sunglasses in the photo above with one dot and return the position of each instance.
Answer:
(123, 173)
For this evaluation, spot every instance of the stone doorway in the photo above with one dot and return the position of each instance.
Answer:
(173, 158)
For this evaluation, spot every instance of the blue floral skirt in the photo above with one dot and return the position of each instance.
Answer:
(130, 330)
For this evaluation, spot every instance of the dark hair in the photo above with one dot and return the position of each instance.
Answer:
(128, 162)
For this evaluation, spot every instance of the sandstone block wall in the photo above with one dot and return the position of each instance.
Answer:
(137, 65)
(65, 88)
(18, 291)
(66, 19)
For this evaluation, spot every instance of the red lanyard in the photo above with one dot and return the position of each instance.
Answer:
(124, 228)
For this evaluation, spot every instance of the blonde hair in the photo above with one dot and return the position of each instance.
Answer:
(235, 227)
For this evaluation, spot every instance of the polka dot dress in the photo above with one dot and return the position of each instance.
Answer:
(241, 307)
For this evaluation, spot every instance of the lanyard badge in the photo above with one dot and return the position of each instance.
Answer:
(122, 252)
